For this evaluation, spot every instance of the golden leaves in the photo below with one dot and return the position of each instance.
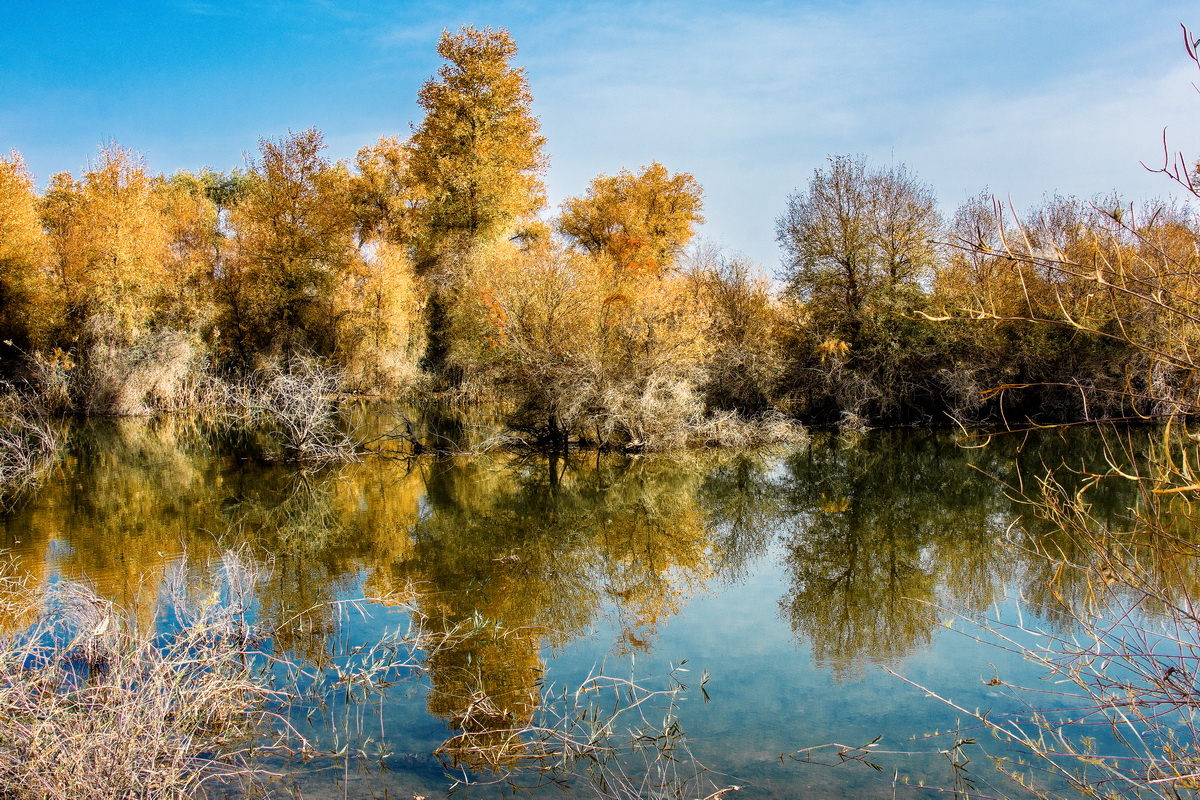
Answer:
(641, 222)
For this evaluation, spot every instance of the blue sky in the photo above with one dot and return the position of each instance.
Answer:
(1018, 97)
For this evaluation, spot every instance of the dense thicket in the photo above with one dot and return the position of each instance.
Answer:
(431, 264)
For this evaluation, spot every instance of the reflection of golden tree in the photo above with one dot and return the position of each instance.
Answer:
(516, 553)
(487, 686)
(131, 496)
(498, 571)
(655, 548)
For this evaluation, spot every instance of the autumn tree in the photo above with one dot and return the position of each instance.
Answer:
(744, 321)
(381, 303)
(585, 360)
(111, 244)
(857, 239)
(131, 267)
(477, 155)
(295, 237)
(385, 202)
(641, 222)
(194, 250)
(858, 256)
(23, 291)
(476, 163)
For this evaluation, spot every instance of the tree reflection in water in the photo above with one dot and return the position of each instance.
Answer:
(508, 559)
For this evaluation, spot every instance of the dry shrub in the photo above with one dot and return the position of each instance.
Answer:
(93, 706)
(730, 429)
(295, 405)
(52, 381)
(28, 443)
(588, 355)
(156, 372)
(661, 416)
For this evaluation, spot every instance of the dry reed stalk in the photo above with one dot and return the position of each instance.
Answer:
(93, 707)
(29, 443)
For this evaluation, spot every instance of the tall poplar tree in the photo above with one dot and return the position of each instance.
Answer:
(477, 155)
(476, 162)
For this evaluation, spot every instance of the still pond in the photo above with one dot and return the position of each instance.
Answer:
(784, 588)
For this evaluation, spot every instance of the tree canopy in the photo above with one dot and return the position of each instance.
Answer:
(857, 236)
(640, 221)
(477, 155)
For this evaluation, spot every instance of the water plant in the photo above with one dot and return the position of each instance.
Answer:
(29, 442)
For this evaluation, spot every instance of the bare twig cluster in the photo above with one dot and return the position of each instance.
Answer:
(29, 442)
(296, 405)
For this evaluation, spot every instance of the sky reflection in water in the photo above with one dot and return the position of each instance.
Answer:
(789, 576)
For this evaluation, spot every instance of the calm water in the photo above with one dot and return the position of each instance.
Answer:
(792, 577)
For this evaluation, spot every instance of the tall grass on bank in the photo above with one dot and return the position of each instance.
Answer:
(94, 705)
(28, 443)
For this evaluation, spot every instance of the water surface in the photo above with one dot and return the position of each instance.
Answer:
(796, 579)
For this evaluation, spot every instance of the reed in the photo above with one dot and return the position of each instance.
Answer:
(29, 443)
(94, 705)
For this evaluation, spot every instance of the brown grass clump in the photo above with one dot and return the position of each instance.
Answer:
(28, 444)
(91, 706)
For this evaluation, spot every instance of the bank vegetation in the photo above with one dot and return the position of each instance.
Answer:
(430, 267)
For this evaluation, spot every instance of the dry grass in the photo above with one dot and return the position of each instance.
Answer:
(157, 372)
(616, 733)
(91, 706)
(28, 444)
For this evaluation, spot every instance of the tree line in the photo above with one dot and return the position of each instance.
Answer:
(431, 265)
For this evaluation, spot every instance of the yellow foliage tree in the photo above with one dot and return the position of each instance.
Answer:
(587, 357)
(385, 200)
(379, 307)
(111, 246)
(641, 222)
(476, 162)
(24, 302)
(194, 247)
(296, 243)
(477, 156)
